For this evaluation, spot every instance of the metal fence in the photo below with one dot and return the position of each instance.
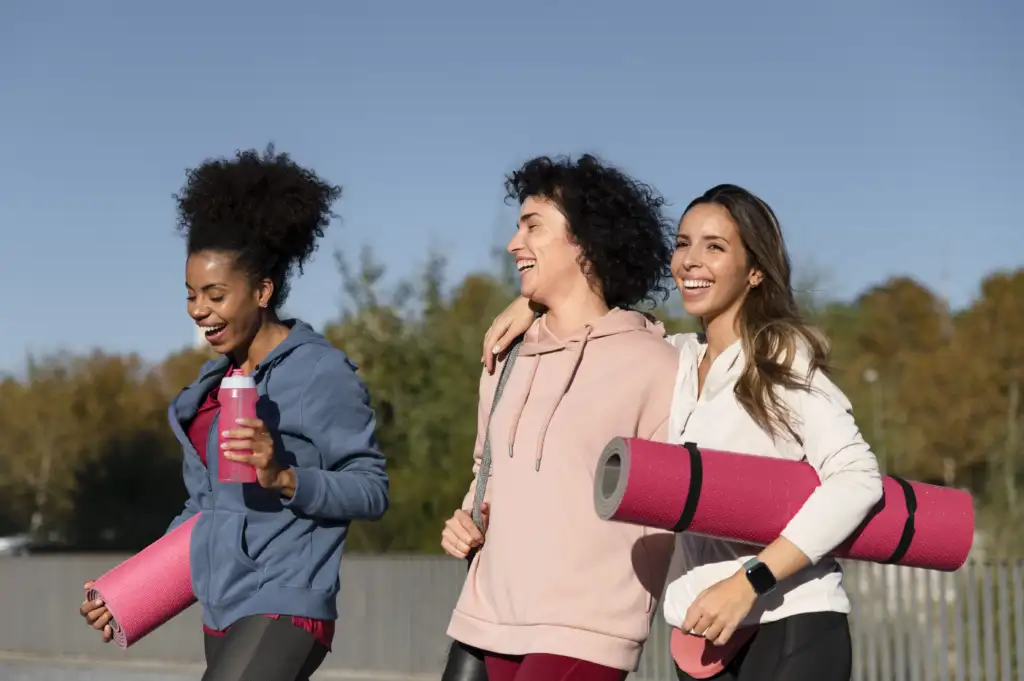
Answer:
(908, 624)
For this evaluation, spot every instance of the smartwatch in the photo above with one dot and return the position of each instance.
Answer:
(759, 576)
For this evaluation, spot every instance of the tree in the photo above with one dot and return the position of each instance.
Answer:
(58, 422)
(993, 366)
(88, 458)
(899, 324)
(417, 348)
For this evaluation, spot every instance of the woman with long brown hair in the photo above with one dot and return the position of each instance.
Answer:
(755, 381)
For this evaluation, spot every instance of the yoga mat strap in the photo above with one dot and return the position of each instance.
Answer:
(693, 493)
(484, 471)
(907, 537)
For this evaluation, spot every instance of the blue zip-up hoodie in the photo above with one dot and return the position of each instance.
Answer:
(253, 551)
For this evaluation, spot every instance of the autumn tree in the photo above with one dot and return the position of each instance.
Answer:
(87, 457)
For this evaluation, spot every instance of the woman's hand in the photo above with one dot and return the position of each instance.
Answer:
(461, 535)
(96, 614)
(254, 436)
(720, 608)
(513, 321)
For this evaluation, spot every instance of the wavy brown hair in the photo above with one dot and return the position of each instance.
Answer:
(771, 326)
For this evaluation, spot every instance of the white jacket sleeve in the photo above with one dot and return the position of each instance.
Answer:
(851, 484)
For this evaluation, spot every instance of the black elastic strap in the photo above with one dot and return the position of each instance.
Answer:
(908, 527)
(693, 493)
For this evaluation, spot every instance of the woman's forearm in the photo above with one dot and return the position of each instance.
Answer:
(783, 558)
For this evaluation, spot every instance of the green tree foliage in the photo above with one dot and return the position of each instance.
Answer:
(418, 349)
(88, 460)
(87, 456)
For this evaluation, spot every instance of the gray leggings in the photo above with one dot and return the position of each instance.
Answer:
(259, 648)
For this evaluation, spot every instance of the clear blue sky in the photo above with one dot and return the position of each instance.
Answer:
(886, 135)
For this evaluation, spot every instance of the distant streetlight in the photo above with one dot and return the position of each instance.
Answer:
(877, 434)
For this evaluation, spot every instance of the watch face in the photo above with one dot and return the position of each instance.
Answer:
(761, 578)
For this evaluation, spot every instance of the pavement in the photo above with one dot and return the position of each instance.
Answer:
(29, 668)
(43, 671)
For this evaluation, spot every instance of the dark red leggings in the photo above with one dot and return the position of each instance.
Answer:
(544, 667)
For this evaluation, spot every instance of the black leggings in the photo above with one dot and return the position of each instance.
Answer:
(260, 648)
(811, 647)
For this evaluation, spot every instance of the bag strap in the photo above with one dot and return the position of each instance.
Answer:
(484, 471)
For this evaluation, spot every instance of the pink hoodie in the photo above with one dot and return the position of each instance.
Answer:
(552, 577)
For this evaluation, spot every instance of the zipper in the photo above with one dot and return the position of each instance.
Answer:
(212, 435)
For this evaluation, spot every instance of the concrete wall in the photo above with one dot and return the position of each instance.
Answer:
(394, 614)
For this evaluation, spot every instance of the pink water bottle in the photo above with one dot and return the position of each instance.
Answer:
(237, 401)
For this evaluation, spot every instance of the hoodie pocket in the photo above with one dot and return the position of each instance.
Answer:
(233, 574)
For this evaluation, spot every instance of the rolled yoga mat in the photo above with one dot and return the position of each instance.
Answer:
(150, 588)
(750, 499)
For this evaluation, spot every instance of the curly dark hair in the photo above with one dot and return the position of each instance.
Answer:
(266, 209)
(616, 220)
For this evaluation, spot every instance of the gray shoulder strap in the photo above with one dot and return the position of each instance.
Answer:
(485, 459)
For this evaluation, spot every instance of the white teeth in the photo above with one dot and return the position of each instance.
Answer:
(210, 330)
(696, 283)
(524, 265)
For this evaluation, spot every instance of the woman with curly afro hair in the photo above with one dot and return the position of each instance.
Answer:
(552, 591)
(266, 555)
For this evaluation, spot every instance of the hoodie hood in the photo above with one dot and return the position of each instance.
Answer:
(539, 340)
(300, 333)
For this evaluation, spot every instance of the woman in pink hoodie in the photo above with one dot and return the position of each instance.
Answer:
(553, 592)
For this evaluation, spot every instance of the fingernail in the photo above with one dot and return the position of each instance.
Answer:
(98, 601)
(224, 445)
(496, 349)
(239, 420)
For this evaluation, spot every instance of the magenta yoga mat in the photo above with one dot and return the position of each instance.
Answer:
(750, 499)
(150, 588)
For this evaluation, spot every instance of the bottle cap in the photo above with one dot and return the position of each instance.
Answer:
(236, 379)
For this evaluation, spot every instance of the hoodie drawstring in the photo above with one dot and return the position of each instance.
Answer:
(517, 413)
(577, 358)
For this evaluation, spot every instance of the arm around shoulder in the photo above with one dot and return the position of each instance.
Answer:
(353, 483)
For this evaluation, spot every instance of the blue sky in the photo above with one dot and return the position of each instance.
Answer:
(887, 136)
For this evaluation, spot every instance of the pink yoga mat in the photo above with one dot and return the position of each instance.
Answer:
(746, 498)
(150, 588)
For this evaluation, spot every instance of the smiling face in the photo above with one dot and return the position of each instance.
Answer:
(222, 300)
(546, 257)
(710, 265)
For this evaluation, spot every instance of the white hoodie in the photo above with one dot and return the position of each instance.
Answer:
(850, 487)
